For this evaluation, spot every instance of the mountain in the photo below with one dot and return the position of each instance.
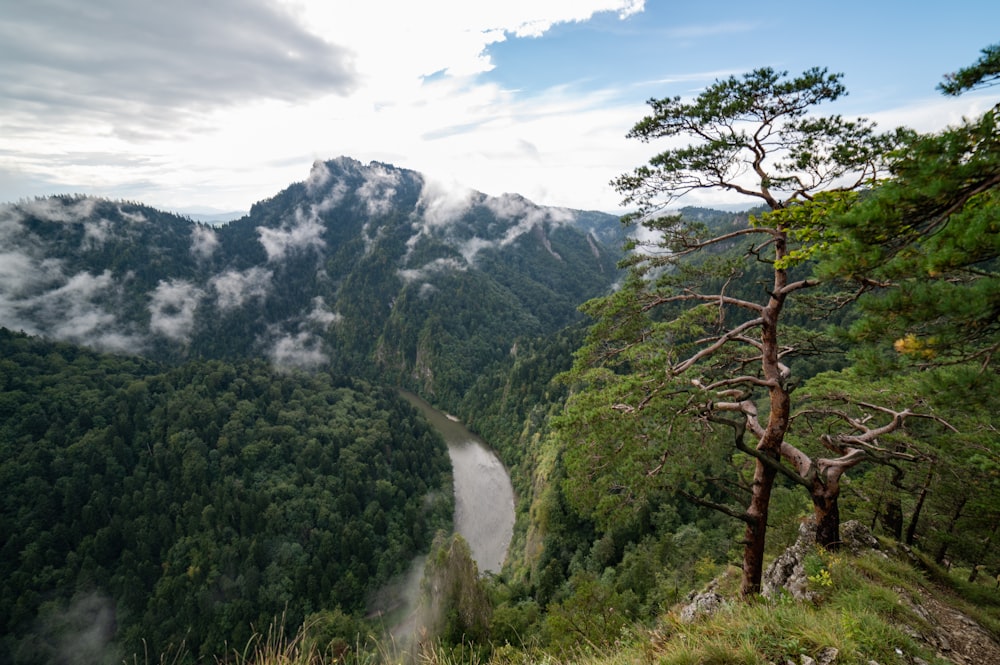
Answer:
(366, 269)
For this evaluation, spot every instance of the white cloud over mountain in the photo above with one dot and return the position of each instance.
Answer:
(191, 103)
(300, 233)
(172, 309)
(221, 104)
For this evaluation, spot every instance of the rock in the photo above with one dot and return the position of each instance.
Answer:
(787, 571)
(827, 656)
(703, 604)
(857, 538)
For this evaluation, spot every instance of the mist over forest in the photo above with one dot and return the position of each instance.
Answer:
(756, 436)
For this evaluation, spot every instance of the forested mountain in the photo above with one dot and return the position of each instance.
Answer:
(231, 450)
(369, 270)
(183, 504)
(235, 455)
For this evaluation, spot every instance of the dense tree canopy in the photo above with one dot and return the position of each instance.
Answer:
(197, 501)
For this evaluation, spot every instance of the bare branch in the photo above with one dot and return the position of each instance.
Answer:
(690, 295)
(721, 507)
(722, 341)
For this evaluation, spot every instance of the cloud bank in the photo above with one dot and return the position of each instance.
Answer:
(234, 288)
(128, 66)
(218, 104)
(172, 309)
(302, 232)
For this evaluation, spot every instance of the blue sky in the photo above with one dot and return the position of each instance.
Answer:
(217, 105)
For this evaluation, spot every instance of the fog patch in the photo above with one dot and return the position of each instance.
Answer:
(319, 175)
(473, 246)
(172, 309)
(444, 203)
(395, 605)
(22, 275)
(304, 232)
(436, 266)
(322, 315)
(37, 298)
(73, 315)
(204, 241)
(378, 189)
(134, 217)
(525, 215)
(80, 633)
(301, 350)
(96, 233)
(55, 209)
(233, 288)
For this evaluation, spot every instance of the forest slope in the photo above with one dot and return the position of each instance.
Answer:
(367, 270)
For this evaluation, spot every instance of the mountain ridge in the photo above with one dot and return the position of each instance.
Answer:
(333, 271)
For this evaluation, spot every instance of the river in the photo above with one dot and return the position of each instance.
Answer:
(484, 496)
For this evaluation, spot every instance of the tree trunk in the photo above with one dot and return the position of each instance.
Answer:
(943, 550)
(756, 531)
(826, 510)
(893, 517)
(911, 529)
(977, 564)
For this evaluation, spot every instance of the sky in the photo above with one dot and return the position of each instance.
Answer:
(212, 105)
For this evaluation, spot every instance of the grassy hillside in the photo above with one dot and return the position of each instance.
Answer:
(884, 605)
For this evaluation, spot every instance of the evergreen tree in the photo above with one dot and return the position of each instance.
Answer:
(684, 343)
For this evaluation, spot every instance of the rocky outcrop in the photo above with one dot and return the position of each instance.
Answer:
(787, 573)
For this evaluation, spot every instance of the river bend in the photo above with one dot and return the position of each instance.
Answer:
(484, 496)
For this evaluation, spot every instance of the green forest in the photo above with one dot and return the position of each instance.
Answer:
(200, 500)
(822, 363)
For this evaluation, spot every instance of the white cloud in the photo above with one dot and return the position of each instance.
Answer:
(172, 309)
(233, 287)
(225, 103)
(469, 248)
(301, 350)
(177, 136)
(436, 266)
(96, 233)
(379, 189)
(305, 231)
(55, 209)
(444, 202)
(322, 315)
(37, 298)
(440, 35)
(22, 276)
(319, 175)
(204, 241)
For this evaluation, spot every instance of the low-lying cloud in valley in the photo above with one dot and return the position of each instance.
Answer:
(300, 350)
(234, 288)
(172, 309)
(204, 241)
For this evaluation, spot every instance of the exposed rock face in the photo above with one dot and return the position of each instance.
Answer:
(857, 538)
(702, 604)
(788, 570)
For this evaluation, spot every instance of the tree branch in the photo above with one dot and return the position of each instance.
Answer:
(719, 343)
(721, 507)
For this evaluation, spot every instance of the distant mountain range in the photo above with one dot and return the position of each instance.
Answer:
(364, 269)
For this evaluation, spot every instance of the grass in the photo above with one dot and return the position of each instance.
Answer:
(865, 609)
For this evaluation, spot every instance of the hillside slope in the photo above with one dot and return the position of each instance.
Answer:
(370, 270)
